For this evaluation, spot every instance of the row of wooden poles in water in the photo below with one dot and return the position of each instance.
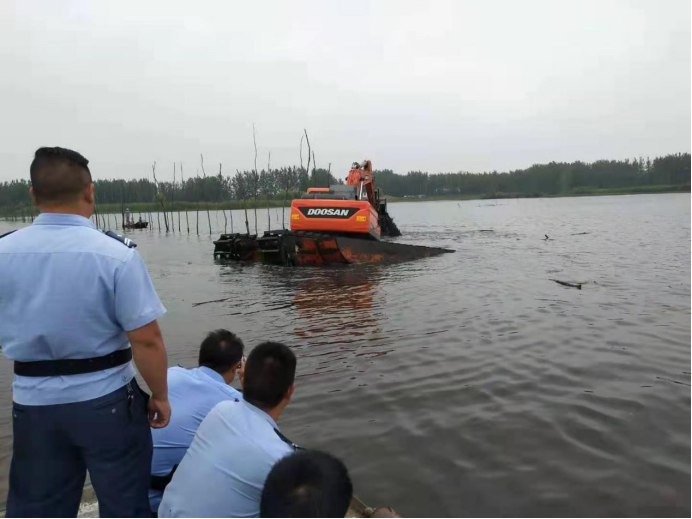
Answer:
(153, 219)
(103, 220)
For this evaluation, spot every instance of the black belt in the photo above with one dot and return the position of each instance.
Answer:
(61, 367)
(161, 482)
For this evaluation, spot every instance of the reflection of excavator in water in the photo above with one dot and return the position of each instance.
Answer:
(338, 224)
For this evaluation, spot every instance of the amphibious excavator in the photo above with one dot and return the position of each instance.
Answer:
(342, 223)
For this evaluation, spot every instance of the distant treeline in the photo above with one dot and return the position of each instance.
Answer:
(555, 178)
(244, 185)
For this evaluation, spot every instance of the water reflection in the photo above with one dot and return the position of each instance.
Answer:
(335, 313)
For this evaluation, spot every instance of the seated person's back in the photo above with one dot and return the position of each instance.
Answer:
(192, 394)
(307, 484)
(224, 470)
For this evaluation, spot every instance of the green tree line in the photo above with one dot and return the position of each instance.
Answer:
(554, 178)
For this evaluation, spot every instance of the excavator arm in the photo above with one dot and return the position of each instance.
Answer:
(362, 178)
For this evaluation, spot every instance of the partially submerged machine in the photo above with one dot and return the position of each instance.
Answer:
(343, 223)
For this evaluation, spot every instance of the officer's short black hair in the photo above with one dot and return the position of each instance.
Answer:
(307, 484)
(269, 372)
(58, 175)
(220, 350)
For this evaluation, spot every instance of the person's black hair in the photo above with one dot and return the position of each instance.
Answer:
(220, 350)
(307, 484)
(269, 372)
(58, 175)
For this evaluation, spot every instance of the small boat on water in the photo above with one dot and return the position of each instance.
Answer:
(129, 222)
(137, 225)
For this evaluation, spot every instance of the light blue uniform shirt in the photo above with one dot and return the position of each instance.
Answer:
(192, 393)
(224, 470)
(68, 291)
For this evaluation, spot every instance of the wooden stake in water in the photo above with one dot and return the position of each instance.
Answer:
(156, 195)
(182, 184)
(269, 217)
(180, 229)
(225, 220)
(172, 200)
(307, 140)
(204, 173)
(255, 176)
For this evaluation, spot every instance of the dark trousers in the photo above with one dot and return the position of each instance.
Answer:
(55, 445)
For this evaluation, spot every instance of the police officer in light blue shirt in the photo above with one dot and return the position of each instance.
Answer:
(75, 307)
(192, 394)
(224, 470)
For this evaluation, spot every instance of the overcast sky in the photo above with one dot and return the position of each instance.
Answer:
(436, 86)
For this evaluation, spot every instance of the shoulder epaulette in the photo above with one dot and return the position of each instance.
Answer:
(7, 234)
(125, 241)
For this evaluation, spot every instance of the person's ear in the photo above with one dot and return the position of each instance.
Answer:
(89, 194)
(229, 375)
(33, 196)
(289, 393)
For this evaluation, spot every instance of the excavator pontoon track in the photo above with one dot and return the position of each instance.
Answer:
(300, 248)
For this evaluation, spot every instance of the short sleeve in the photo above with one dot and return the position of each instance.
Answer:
(136, 302)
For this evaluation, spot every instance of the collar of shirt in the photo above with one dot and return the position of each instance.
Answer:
(211, 374)
(261, 413)
(63, 219)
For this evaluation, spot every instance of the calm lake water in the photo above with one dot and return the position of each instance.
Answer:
(470, 384)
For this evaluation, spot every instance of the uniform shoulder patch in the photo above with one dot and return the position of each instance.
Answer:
(125, 241)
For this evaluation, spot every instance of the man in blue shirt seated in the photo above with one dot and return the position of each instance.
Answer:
(192, 393)
(224, 470)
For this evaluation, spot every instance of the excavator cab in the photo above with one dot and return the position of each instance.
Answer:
(353, 209)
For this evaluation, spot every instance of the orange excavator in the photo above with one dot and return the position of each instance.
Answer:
(352, 209)
(342, 223)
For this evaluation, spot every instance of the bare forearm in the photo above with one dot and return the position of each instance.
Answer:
(152, 363)
(150, 357)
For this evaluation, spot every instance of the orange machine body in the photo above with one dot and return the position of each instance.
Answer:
(356, 217)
